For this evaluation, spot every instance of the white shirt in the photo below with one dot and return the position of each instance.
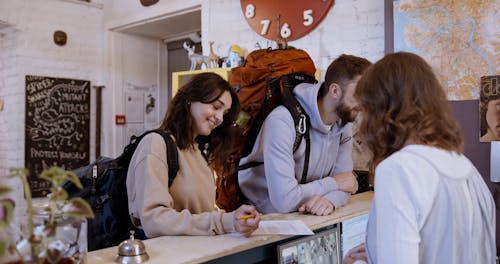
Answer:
(430, 206)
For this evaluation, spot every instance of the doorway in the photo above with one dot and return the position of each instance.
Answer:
(143, 63)
(178, 59)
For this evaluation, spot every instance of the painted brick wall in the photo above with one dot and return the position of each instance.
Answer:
(351, 26)
(27, 48)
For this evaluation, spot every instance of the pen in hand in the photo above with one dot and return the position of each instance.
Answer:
(248, 216)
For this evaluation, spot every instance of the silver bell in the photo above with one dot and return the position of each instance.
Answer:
(132, 251)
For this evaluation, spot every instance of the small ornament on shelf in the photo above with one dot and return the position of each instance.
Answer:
(213, 59)
(196, 59)
(235, 56)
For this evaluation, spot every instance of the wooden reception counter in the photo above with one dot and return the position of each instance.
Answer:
(232, 248)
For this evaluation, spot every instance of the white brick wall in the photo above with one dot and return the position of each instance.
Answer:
(351, 26)
(27, 48)
(10, 96)
(11, 125)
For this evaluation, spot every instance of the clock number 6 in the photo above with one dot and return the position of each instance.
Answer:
(308, 18)
(285, 31)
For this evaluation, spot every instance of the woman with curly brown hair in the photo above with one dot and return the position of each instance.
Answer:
(200, 120)
(431, 205)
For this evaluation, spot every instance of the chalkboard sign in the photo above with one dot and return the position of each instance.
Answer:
(57, 127)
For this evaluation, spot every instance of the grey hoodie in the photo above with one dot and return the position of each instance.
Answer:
(275, 186)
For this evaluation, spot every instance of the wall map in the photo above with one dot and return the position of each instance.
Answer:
(57, 128)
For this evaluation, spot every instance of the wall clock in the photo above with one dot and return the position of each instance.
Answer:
(148, 2)
(296, 17)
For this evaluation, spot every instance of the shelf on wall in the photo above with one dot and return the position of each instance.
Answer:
(180, 78)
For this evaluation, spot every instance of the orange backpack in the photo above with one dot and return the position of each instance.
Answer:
(264, 81)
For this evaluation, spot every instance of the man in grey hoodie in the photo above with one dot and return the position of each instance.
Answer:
(274, 186)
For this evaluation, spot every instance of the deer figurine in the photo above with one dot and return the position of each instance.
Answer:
(196, 59)
(213, 59)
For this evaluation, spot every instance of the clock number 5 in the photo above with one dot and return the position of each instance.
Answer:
(308, 18)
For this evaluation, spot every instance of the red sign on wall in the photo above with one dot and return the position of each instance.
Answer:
(120, 120)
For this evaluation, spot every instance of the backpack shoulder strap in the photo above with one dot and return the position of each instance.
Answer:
(306, 157)
(172, 156)
(300, 118)
(299, 115)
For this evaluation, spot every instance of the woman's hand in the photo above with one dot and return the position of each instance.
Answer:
(249, 224)
(355, 254)
(317, 205)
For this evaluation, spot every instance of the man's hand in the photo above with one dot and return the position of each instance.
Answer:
(346, 182)
(248, 225)
(317, 205)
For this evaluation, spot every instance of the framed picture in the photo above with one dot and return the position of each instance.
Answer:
(489, 109)
(323, 247)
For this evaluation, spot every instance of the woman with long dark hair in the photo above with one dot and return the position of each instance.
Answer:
(200, 120)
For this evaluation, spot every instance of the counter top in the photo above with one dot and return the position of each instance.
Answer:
(196, 249)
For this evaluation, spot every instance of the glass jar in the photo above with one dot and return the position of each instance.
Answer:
(62, 240)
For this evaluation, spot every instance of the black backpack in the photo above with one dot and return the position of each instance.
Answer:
(104, 188)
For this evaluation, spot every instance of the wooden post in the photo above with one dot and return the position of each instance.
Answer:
(98, 113)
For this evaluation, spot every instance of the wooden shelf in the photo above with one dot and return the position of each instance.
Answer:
(180, 78)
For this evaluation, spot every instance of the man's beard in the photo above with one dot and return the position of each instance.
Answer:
(345, 113)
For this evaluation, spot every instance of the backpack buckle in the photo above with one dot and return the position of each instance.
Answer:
(301, 127)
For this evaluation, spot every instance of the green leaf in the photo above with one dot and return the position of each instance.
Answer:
(74, 179)
(78, 208)
(54, 174)
(58, 194)
(3, 247)
(4, 190)
(18, 172)
(6, 212)
(50, 229)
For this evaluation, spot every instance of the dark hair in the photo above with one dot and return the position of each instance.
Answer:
(343, 70)
(205, 88)
(401, 99)
(483, 108)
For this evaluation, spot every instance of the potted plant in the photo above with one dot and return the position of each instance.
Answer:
(56, 231)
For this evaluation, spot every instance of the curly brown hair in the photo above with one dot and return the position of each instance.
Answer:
(401, 100)
(205, 88)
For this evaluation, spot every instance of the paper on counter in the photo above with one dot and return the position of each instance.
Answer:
(282, 227)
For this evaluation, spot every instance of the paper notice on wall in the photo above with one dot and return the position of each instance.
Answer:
(133, 107)
(495, 161)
